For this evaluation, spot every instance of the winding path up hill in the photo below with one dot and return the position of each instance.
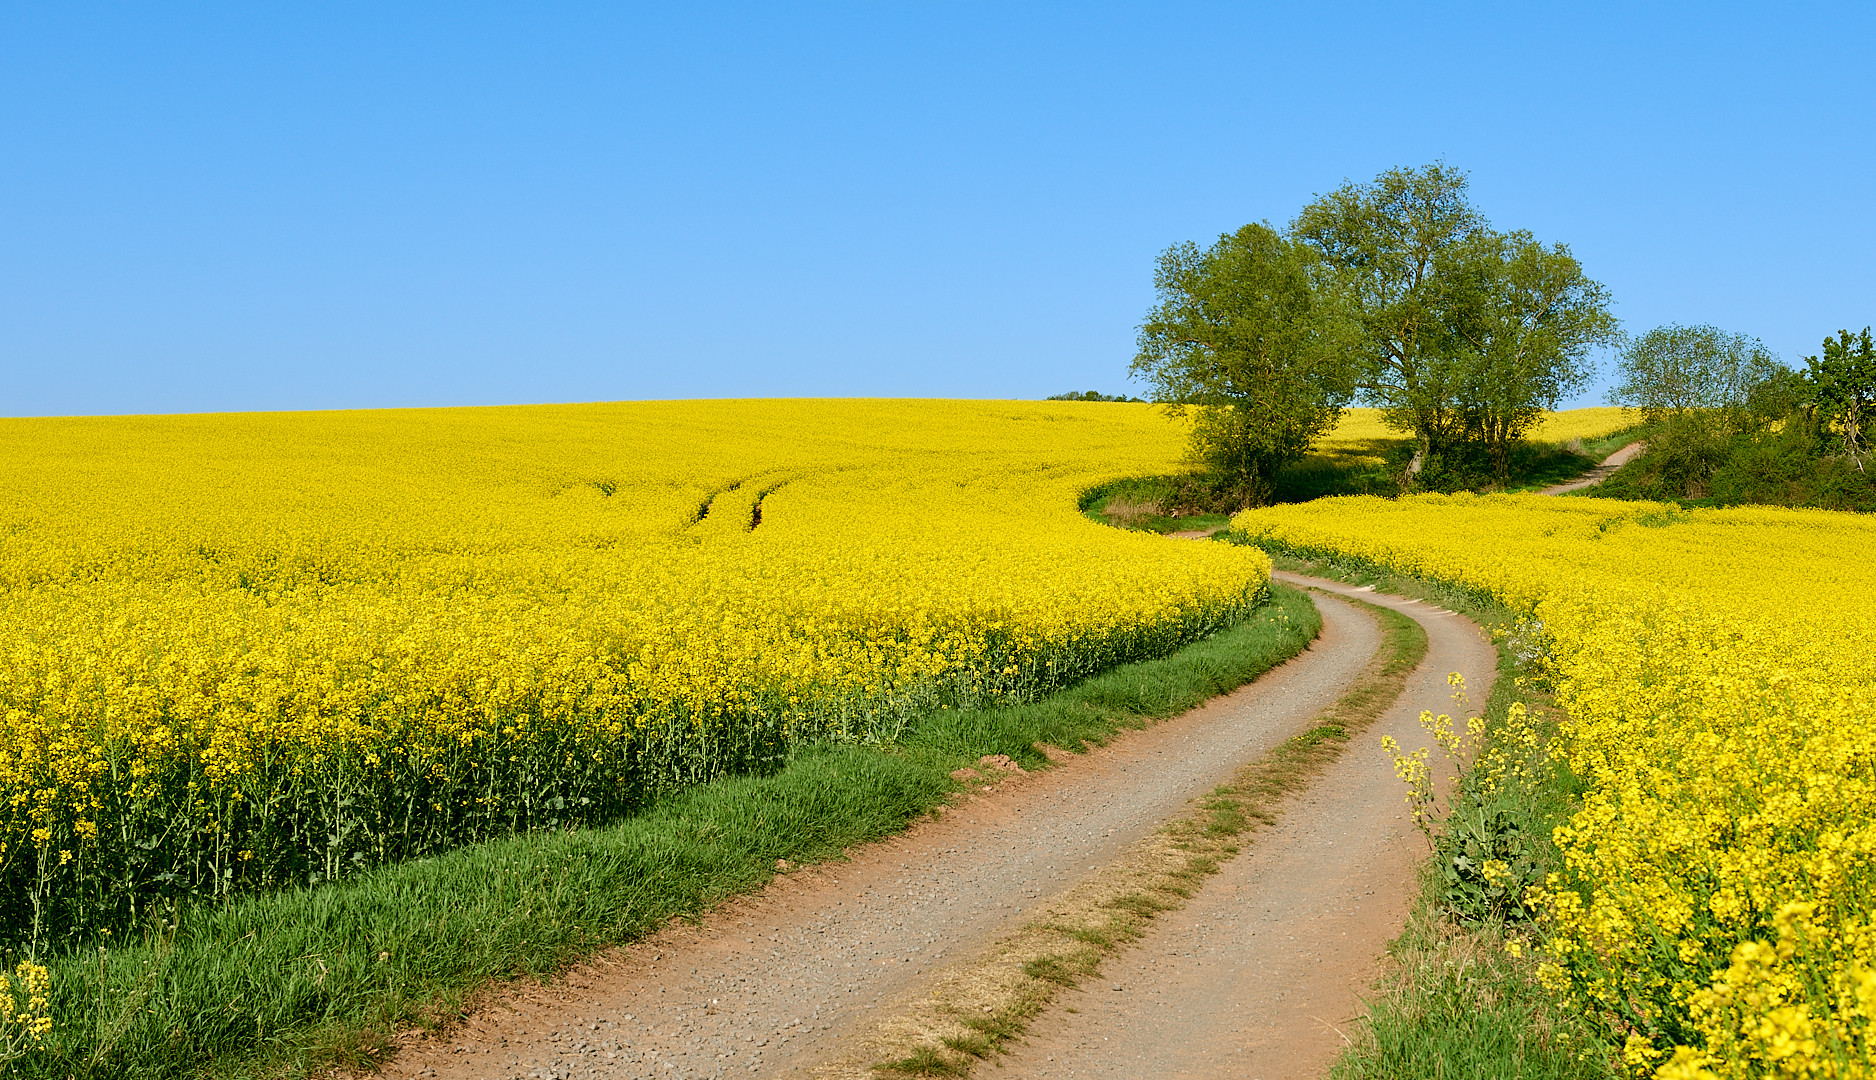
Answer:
(1257, 973)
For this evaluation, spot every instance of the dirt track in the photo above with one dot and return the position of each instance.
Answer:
(1261, 974)
(789, 978)
(1601, 472)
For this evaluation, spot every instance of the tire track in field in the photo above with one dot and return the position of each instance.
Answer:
(1261, 973)
(773, 983)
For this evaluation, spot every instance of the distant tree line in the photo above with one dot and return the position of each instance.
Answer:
(1395, 293)
(1092, 395)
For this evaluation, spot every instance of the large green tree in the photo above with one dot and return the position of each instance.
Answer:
(1843, 384)
(1465, 334)
(1243, 336)
(1390, 247)
(1522, 319)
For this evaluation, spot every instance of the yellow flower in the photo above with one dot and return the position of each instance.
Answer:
(1717, 875)
(1686, 1064)
(281, 646)
(25, 1003)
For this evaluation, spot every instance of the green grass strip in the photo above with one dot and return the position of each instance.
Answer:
(291, 982)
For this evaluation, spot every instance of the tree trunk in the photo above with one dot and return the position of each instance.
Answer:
(1418, 461)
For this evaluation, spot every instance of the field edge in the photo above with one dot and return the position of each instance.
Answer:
(1459, 996)
(306, 981)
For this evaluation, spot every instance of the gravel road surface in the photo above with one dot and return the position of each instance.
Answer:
(1261, 974)
(772, 983)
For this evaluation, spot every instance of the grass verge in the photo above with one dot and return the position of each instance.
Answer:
(292, 982)
(1460, 999)
(978, 1007)
(1158, 504)
(1455, 1005)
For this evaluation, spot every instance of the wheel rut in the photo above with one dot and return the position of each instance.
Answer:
(782, 981)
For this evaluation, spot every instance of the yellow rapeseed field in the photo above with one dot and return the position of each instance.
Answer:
(242, 650)
(1361, 436)
(1716, 902)
(238, 650)
(1594, 423)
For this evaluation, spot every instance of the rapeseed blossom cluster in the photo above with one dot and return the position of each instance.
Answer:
(25, 1009)
(1718, 885)
(248, 650)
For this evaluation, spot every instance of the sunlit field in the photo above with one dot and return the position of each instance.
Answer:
(1719, 880)
(1362, 438)
(258, 649)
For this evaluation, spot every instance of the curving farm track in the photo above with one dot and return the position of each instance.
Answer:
(1262, 973)
(1251, 979)
(1601, 472)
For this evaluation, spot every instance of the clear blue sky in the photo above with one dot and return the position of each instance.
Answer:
(271, 206)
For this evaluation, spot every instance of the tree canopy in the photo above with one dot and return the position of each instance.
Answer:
(1397, 293)
(1843, 390)
(1242, 335)
(1465, 334)
(1672, 369)
(1522, 318)
(1389, 246)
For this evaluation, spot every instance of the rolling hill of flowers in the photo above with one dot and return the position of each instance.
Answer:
(256, 649)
